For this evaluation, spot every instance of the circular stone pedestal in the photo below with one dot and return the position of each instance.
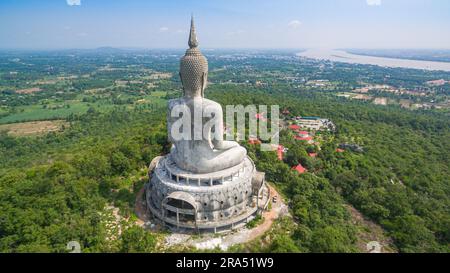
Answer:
(212, 202)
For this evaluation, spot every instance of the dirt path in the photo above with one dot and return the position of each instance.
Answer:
(239, 236)
(140, 208)
(268, 216)
(368, 230)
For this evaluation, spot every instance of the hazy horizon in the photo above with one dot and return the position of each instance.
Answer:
(232, 24)
(131, 48)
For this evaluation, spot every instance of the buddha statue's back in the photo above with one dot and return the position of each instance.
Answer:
(199, 148)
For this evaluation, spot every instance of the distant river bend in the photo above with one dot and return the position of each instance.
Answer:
(344, 57)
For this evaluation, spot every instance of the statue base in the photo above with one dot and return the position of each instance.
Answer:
(212, 202)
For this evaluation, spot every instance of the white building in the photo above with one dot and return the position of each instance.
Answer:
(315, 123)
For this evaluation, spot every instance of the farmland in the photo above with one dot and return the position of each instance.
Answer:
(33, 127)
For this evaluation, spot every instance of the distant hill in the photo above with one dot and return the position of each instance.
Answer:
(109, 50)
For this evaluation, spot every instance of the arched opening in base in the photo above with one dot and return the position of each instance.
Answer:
(179, 207)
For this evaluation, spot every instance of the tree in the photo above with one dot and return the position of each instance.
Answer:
(411, 234)
(331, 240)
(120, 163)
(136, 239)
(283, 243)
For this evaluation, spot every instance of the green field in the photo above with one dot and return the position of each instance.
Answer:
(63, 110)
(53, 111)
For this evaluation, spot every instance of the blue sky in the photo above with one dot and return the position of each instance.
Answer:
(225, 23)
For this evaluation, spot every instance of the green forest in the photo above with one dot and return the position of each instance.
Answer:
(79, 181)
(401, 181)
(54, 187)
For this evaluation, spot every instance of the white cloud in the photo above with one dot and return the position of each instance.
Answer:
(73, 2)
(373, 2)
(294, 24)
(163, 29)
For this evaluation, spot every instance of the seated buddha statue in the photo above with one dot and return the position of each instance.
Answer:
(206, 151)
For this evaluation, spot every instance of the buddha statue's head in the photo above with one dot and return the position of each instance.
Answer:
(193, 68)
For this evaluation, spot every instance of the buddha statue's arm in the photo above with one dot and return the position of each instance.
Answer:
(169, 122)
(217, 136)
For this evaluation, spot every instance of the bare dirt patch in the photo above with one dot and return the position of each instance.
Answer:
(46, 82)
(28, 90)
(380, 101)
(369, 231)
(159, 76)
(33, 127)
(140, 208)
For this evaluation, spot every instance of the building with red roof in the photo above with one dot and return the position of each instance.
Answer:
(254, 141)
(294, 127)
(312, 154)
(299, 168)
(339, 150)
(260, 116)
(280, 151)
(307, 138)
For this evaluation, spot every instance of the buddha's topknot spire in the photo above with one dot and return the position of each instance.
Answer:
(193, 67)
(193, 42)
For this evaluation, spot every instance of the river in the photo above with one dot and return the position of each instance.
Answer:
(342, 56)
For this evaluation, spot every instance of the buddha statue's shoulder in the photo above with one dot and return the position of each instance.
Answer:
(173, 102)
(207, 102)
(193, 102)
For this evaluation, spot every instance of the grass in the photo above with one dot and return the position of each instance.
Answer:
(53, 111)
(256, 221)
(158, 94)
(61, 110)
(36, 112)
(3, 110)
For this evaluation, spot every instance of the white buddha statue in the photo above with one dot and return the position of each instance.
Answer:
(209, 152)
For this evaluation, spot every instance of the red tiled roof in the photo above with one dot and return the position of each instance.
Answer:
(280, 151)
(303, 132)
(280, 155)
(340, 150)
(308, 138)
(299, 168)
(259, 115)
(254, 141)
(312, 154)
(294, 127)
